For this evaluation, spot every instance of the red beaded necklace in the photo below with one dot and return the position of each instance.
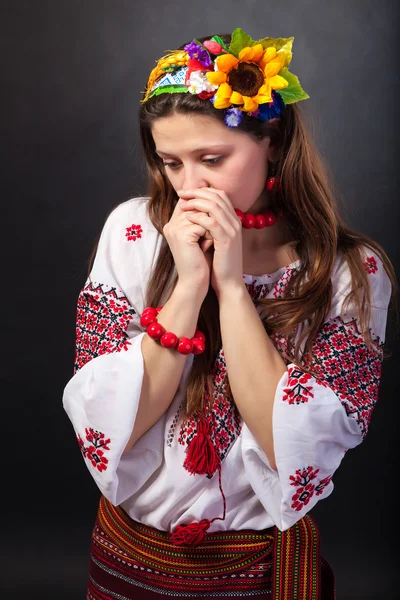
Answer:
(265, 219)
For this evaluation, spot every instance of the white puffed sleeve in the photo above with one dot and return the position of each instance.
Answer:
(316, 420)
(102, 397)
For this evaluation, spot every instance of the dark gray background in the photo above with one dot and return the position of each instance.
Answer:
(71, 76)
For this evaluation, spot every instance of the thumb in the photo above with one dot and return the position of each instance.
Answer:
(206, 244)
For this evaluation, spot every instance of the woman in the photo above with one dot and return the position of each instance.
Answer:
(225, 362)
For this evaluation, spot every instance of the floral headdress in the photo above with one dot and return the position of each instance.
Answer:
(248, 76)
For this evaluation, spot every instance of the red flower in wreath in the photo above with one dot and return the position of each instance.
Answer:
(193, 66)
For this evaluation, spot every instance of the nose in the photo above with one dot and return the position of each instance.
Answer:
(193, 178)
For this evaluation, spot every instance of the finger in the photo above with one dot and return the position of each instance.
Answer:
(205, 206)
(209, 193)
(197, 228)
(218, 196)
(208, 235)
(206, 244)
(219, 231)
(216, 210)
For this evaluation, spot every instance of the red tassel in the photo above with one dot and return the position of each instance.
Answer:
(201, 458)
(201, 455)
(190, 535)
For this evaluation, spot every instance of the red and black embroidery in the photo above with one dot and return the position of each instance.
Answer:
(306, 488)
(133, 232)
(102, 319)
(258, 290)
(262, 290)
(226, 420)
(345, 365)
(94, 452)
(173, 426)
(283, 281)
(370, 264)
(297, 391)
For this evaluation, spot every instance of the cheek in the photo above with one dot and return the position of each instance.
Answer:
(174, 178)
(245, 177)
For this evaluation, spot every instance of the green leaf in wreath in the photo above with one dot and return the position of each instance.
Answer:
(171, 89)
(239, 40)
(293, 92)
(277, 43)
(287, 48)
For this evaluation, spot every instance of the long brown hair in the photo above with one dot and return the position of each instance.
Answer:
(311, 211)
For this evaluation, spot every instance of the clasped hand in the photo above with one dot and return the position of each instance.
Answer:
(212, 209)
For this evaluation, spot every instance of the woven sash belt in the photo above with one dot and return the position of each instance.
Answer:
(127, 555)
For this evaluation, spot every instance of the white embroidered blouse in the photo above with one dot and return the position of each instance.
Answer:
(315, 421)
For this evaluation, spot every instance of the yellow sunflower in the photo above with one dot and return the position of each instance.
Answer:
(248, 79)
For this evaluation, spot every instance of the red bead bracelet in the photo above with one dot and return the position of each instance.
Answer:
(156, 331)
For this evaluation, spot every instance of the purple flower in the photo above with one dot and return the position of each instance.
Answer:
(199, 53)
(233, 117)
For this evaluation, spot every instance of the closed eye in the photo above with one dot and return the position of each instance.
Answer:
(209, 161)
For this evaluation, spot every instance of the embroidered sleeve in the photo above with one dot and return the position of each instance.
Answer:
(102, 397)
(316, 420)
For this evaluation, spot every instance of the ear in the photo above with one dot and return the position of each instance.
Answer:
(271, 153)
(272, 148)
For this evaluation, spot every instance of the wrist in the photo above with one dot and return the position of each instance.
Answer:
(233, 292)
(194, 294)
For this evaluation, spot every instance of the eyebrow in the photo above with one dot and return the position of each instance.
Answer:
(197, 150)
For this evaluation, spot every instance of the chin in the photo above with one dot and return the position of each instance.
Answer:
(246, 206)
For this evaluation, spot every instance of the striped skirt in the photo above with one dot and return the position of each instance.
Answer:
(132, 561)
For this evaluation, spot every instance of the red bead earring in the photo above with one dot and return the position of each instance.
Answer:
(272, 183)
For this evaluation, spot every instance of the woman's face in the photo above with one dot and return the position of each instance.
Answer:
(199, 151)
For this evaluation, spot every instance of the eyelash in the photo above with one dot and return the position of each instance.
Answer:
(210, 161)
